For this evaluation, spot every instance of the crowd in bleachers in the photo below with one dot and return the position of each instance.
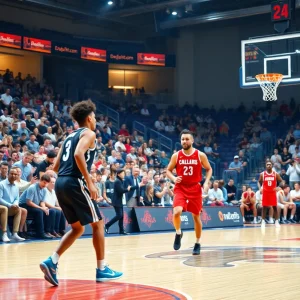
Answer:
(35, 121)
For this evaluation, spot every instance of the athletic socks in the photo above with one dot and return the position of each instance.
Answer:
(55, 258)
(101, 264)
(178, 231)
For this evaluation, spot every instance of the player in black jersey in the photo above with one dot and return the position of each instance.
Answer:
(76, 192)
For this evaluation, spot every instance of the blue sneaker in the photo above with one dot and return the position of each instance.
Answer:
(49, 269)
(107, 274)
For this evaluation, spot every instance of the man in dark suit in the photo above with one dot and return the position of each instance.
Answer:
(117, 201)
(134, 196)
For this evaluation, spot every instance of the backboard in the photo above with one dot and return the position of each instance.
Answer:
(272, 54)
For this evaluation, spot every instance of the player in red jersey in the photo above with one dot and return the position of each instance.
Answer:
(248, 202)
(188, 163)
(269, 179)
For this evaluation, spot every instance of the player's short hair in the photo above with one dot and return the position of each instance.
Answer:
(186, 131)
(81, 110)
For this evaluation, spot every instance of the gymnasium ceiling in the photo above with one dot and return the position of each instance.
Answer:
(145, 15)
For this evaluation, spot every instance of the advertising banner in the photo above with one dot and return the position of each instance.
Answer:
(36, 45)
(121, 58)
(10, 40)
(65, 50)
(160, 218)
(93, 54)
(150, 59)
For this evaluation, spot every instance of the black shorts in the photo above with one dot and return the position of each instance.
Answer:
(75, 201)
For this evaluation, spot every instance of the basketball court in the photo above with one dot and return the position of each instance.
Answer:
(243, 263)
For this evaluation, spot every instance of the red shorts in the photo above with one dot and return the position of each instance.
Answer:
(189, 197)
(269, 199)
(250, 205)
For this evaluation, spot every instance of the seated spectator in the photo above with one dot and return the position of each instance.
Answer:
(120, 144)
(164, 161)
(284, 202)
(296, 132)
(123, 131)
(45, 165)
(23, 184)
(284, 177)
(102, 200)
(170, 128)
(3, 170)
(148, 196)
(145, 111)
(159, 124)
(120, 160)
(224, 191)
(59, 226)
(249, 203)
(295, 197)
(161, 192)
(6, 98)
(9, 204)
(25, 166)
(286, 158)
(208, 150)
(294, 173)
(224, 129)
(296, 153)
(15, 133)
(276, 160)
(33, 199)
(265, 135)
(23, 129)
(50, 135)
(40, 155)
(231, 193)
(32, 144)
(236, 165)
(48, 145)
(215, 195)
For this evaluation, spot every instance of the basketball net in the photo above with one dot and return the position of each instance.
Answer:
(269, 83)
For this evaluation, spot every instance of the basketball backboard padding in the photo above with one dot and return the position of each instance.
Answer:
(271, 54)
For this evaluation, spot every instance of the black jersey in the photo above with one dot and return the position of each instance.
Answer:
(68, 165)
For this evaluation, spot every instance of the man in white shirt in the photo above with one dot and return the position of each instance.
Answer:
(208, 150)
(52, 203)
(36, 119)
(159, 124)
(48, 102)
(295, 197)
(6, 98)
(284, 202)
(215, 195)
(120, 144)
(145, 111)
(170, 128)
(6, 117)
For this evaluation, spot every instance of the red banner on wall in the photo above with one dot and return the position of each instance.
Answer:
(93, 54)
(37, 45)
(151, 59)
(10, 40)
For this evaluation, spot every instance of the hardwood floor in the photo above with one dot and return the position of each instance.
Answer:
(234, 264)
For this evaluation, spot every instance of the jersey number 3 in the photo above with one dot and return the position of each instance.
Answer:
(67, 154)
(187, 171)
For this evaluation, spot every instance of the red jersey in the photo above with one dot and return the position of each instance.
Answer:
(189, 167)
(269, 182)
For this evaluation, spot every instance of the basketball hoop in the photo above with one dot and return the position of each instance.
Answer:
(269, 83)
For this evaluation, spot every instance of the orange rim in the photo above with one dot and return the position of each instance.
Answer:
(272, 77)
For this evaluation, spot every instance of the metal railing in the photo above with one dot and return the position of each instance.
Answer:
(162, 142)
(140, 128)
(112, 114)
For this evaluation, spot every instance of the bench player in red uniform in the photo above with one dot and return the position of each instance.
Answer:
(188, 163)
(248, 203)
(269, 179)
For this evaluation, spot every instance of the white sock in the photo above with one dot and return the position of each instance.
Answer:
(198, 241)
(292, 217)
(284, 218)
(178, 231)
(255, 218)
(101, 264)
(55, 258)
